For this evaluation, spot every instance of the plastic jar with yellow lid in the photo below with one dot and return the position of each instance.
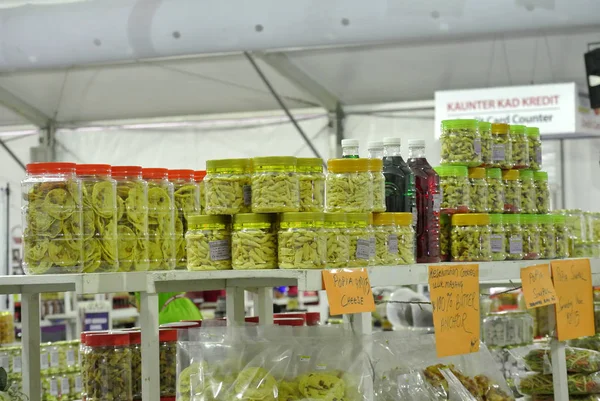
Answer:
(199, 178)
(501, 146)
(512, 191)
(275, 185)
(301, 240)
(445, 230)
(406, 238)
(208, 243)
(349, 186)
(312, 184)
(535, 147)
(187, 202)
(542, 191)
(478, 191)
(528, 194)
(470, 238)
(461, 142)
(485, 131)
(338, 242)
(520, 146)
(227, 186)
(514, 236)
(386, 239)
(495, 190)
(253, 242)
(498, 238)
(360, 254)
(547, 236)
(376, 168)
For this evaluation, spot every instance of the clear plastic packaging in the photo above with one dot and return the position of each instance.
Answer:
(186, 195)
(532, 383)
(528, 192)
(406, 238)
(208, 243)
(531, 236)
(512, 191)
(135, 339)
(562, 236)
(227, 186)
(52, 219)
(593, 226)
(376, 168)
(485, 131)
(547, 236)
(578, 360)
(349, 186)
(359, 236)
(7, 328)
(386, 239)
(108, 374)
(199, 178)
(312, 184)
(495, 190)
(501, 147)
(275, 185)
(168, 362)
(338, 242)
(301, 241)
(253, 242)
(445, 230)
(470, 238)
(455, 189)
(575, 224)
(461, 142)
(507, 329)
(498, 239)
(542, 192)
(478, 192)
(520, 146)
(535, 147)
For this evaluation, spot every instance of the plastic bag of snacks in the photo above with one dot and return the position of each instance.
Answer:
(579, 360)
(591, 342)
(530, 383)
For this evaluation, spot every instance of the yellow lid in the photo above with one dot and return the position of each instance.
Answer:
(510, 175)
(357, 217)
(471, 219)
(274, 163)
(203, 219)
(301, 216)
(215, 166)
(477, 172)
(348, 165)
(375, 165)
(309, 162)
(335, 217)
(500, 128)
(403, 218)
(384, 219)
(252, 218)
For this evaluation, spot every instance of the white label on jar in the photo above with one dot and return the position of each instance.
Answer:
(304, 358)
(477, 146)
(54, 360)
(65, 388)
(538, 155)
(516, 245)
(70, 357)
(54, 387)
(372, 247)
(4, 362)
(393, 244)
(498, 152)
(437, 202)
(43, 360)
(16, 364)
(363, 249)
(219, 250)
(247, 190)
(321, 366)
(497, 245)
(78, 384)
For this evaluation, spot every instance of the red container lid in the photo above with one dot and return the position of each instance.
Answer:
(126, 171)
(107, 339)
(313, 318)
(167, 398)
(199, 175)
(180, 325)
(92, 169)
(167, 335)
(295, 315)
(135, 337)
(84, 334)
(51, 167)
(181, 174)
(155, 173)
(289, 321)
(251, 319)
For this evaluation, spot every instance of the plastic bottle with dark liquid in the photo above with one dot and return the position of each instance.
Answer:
(399, 180)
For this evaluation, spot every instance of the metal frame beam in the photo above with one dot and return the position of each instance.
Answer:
(25, 110)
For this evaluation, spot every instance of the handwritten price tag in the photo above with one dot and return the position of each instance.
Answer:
(348, 291)
(454, 291)
(537, 286)
(575, 308)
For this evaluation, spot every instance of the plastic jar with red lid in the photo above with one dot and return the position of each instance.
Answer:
(289, 321)
(168, 362)
(52, 219)
(199, 178)
(187, 201)
(108, 374)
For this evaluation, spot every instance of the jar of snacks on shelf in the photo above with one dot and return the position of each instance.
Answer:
(275, 185)
(386, 239)
(312, 184)
(478, 192)
(470, 238)
(501, 147)
(593, 227)
(360, 239)
(528, 193)
(581, 249)
(575, 223)
(520, 146)
(514, 236)
(508, 329)
(135, 341)
(376, 168)
(338, 242)
(535, 147)
(406, 238)
(109, 367)
(72, 355)
(542, 191)
(498, 240)
(531, 236)
(485, 131)
(56, 358)
(562, 236)
(227, 186)
(253, 242)
(461, 142)
(301, 241)
(53, 219)
(7, 328)
(547, 236)
(445, 230)
(167, 339)
(495, 190)
(455, 189)
(512, 191)
(161, 219)
(208, 243)
(349, 186)
(199, 178)
(132, 224)
(186, 195)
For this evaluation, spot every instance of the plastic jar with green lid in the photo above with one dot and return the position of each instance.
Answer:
(349, 186)
(108, 375)
(227, 186)
(208, 243)
(455, 189)
(338, 242)
(514, 236)
(445, 231)
(301, 240)
(187, 196)
(312, 184)
(535, 147)
(376, 168)
(498, 239)
(512, 191)
(547, 236)
(360, 240)
(528, 193)
(495, 190)
(501, 146)
(531, 236)
(406, 238)
(575, 223)
(562, 236)
(253, 242)
(478, 191)
(520, 146)
(461, 142)
(542, 191)
(470, 238)
(386, 239)
(275, 185)
(485, 131)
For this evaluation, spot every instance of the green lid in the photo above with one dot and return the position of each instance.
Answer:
(540, 176)
(460, 123)
(214, 166)
(357, 217)
(302, 216)
(529, 219)
(532, 131)
(335, 217)
(496, 218)
(485, 126)
(452, 171)
(512, 218)
(494, 173)
(545, 218)
(243, 218)
(268, 161)
(526, 174)
(202, 219)
(309, 162)
(559, 218)
(517, 129)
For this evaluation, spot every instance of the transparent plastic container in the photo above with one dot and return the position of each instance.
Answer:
(445, 232)
(520, 147)
(350, 148)
(512, 191)
(454, 188)
(71, 349)
(227, 186)
(199, 178)
(406, 238)
(576, 224)
(485, 131)
(593, 224)
(161, 219)
(253, 242)
(301, 240)
(45, 358)
(375, 149)
(349, 186)
(507, 329)
(461, 143)
(57, 362)
(168, 362)
(478, 192)
(535, 147)
(186, 194)
(386, 239)
(312, 184)
(495, 190)
(360, 239)
(528, 192)
(52, 219)
(376, 169)
(399, 179)
(470, 238)
(547, 236)
(531, 236)
(582, 249)
(501, 147)
(275, 185)
(372, 241)
(338, 242)
(7, 328)
(498, 239)
(562, 236)
(132, 218)
(208, 243)
(542, 192)
(135, 340)
(108, 375)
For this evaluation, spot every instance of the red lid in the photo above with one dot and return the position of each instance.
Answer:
(293, 290)
(107, 339)
(155, 173)
(126, 171)
(504, 308)
(180, 325)
(251, 319)
(167, 398)
(287, 315)
(167, 335)
(313, 318)
(289, 321)
(92, 169)
(181, 174)
(84, 334)
(135, 337)
(52, 167)
(199, 175)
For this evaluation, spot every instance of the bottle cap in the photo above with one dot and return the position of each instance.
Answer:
(350, 142)
(416, 143)
(392, 140)
(375, 145)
